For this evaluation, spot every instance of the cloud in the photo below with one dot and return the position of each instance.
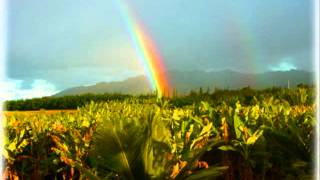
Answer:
(13, 89)
(284, 65)
(71, 48)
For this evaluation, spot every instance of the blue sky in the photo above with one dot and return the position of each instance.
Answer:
(56, 44)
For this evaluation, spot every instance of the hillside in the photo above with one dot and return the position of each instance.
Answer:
(184, 81)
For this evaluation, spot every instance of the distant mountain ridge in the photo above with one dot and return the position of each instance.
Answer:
(185, 81)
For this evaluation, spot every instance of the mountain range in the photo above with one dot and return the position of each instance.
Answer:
(185, 81)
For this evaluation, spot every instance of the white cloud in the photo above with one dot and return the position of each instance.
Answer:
(284, 65)
(13, 89)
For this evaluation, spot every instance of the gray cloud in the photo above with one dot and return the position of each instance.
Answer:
(89, 43)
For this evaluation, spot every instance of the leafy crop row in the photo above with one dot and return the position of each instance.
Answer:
(134, 139)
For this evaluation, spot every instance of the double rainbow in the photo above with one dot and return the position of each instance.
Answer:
(146, 50)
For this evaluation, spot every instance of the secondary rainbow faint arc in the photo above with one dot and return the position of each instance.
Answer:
(246, 38)
(146, 50)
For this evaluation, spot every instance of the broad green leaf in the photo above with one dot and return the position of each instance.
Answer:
(210, 173)
(237, 123)
(251, 140)
(227, 148)
(86, 123)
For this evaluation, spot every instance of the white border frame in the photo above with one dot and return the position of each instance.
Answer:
(316, 47)
(3, 57)
(316, 59)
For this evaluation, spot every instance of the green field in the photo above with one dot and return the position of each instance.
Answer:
(243, 134)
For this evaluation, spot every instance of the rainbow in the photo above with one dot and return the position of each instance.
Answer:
(146, 50)
(244, 36)
(248, 46)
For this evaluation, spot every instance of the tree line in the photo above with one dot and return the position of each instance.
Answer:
(301, 94)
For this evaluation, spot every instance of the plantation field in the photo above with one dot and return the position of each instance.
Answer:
(34, 112)
(228, 136)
